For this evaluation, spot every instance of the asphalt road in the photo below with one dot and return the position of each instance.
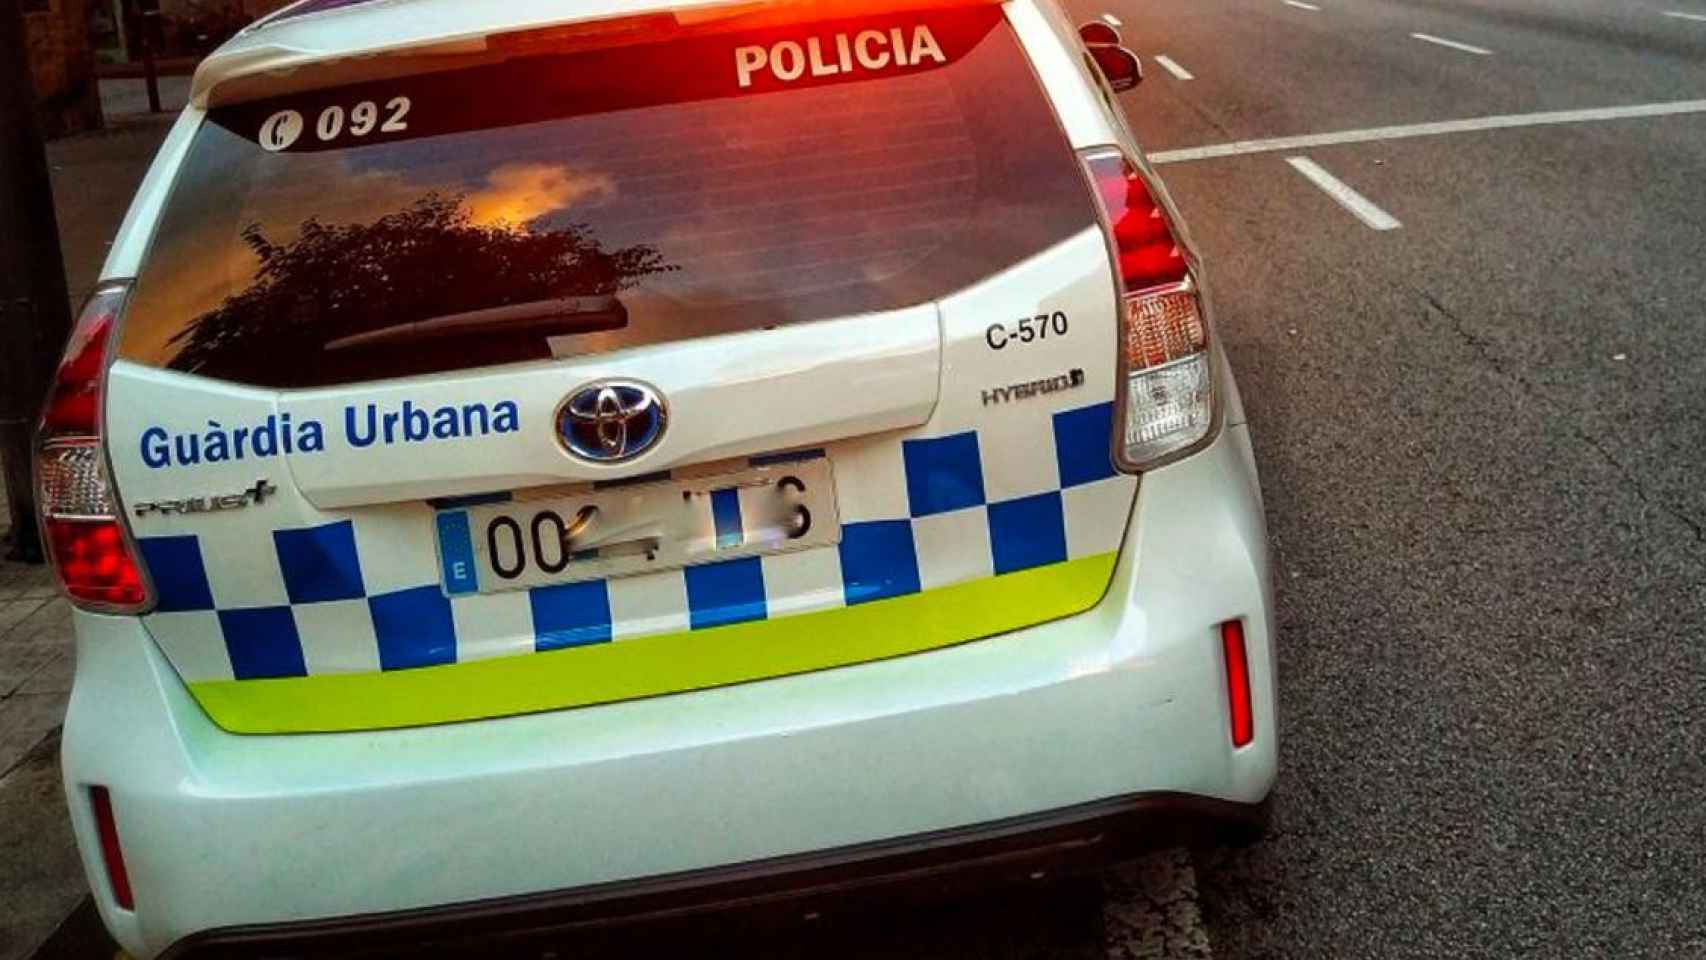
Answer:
(1481, 442)
(1481, 439)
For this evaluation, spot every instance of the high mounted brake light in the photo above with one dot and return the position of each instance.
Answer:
(81, 520)
(703, 19)
(1166, 406)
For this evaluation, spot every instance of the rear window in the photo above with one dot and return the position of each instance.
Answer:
(559, 205)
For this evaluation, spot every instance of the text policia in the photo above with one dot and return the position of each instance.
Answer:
(789, 60)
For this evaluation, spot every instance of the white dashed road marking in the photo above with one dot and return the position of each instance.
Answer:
(1686, 16)
(1470, 125)
(1173, 68)
(1299, 4)
(1356, 203)
(1453, 44)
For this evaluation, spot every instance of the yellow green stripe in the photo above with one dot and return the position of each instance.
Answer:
(666, 663)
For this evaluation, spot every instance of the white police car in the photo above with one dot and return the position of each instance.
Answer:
(543, 464)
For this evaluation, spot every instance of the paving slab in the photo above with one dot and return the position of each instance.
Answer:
(22, 581)
(14, 612)
(18, 663)
(41, 879)
(26, 720)
(48, 623)
(32, 643)
(54, 677)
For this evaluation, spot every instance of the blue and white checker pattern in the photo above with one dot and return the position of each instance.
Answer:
(361, 593)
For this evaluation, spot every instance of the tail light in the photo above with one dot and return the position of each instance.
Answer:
(1166, 406)
(81, 520)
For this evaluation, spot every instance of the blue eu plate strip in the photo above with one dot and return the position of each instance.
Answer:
(725, 513)
(456, 551)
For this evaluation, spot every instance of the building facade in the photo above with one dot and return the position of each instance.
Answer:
(73, 43)
(62, 65)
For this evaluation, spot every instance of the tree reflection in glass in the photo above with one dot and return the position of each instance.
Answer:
(375, 296)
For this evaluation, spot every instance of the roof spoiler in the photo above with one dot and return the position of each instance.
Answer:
(326, 43)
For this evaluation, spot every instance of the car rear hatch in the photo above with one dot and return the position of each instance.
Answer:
(596, 364)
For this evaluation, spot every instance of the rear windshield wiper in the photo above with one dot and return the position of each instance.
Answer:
(561, 316)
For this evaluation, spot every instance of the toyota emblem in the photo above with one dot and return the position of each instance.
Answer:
(612, 420)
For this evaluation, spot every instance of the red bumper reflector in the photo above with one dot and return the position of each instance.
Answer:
(1237, 682)
(111, 854)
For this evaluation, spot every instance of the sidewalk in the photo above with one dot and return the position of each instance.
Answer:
(40, 881)
(94, 177)
(125, 99)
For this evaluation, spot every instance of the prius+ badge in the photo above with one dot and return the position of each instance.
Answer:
(612, 420)
(258, 493)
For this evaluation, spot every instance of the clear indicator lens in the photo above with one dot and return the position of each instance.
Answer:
(73, 482)
(1167, 408)
(1161, 328)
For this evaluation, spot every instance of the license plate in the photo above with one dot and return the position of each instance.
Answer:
(631, 528)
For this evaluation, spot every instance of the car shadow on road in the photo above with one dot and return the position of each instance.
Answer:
(1049, 921)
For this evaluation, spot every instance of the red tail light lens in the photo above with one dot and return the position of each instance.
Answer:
(74, 401)
(112, 855)
(95, 564)
(1149, 256)
(1237, 682)
(81, 520)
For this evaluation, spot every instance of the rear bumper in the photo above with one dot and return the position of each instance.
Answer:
(1041, 847)
(232, 838)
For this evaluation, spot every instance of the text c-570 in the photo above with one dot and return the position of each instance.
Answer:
(1026, 330)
